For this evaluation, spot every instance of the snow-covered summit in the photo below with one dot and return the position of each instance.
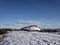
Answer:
(32, 27)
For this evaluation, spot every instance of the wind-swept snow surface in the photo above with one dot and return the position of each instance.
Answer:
(30, 38)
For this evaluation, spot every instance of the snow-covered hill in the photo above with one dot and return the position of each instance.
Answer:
(30, 38)
(32, 27)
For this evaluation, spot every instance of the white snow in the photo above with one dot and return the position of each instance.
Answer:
(30, 38)
(33, 28)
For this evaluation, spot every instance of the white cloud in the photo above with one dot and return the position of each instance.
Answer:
(23, 23)
(13, 25)
(28, 22)
(53, 26)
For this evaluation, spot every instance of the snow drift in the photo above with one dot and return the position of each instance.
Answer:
(30, 38)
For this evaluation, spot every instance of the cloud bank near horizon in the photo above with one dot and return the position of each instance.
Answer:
(28, 22)
(23, 23)
(53, 26)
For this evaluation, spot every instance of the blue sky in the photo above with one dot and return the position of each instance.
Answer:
(47, 12)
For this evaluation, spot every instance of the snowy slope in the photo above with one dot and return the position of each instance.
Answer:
(32, 27)
(30, 38)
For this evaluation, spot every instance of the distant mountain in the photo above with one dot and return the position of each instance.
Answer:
(36, 28)
(31, 28)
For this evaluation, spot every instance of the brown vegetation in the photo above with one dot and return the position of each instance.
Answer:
(3, 31)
